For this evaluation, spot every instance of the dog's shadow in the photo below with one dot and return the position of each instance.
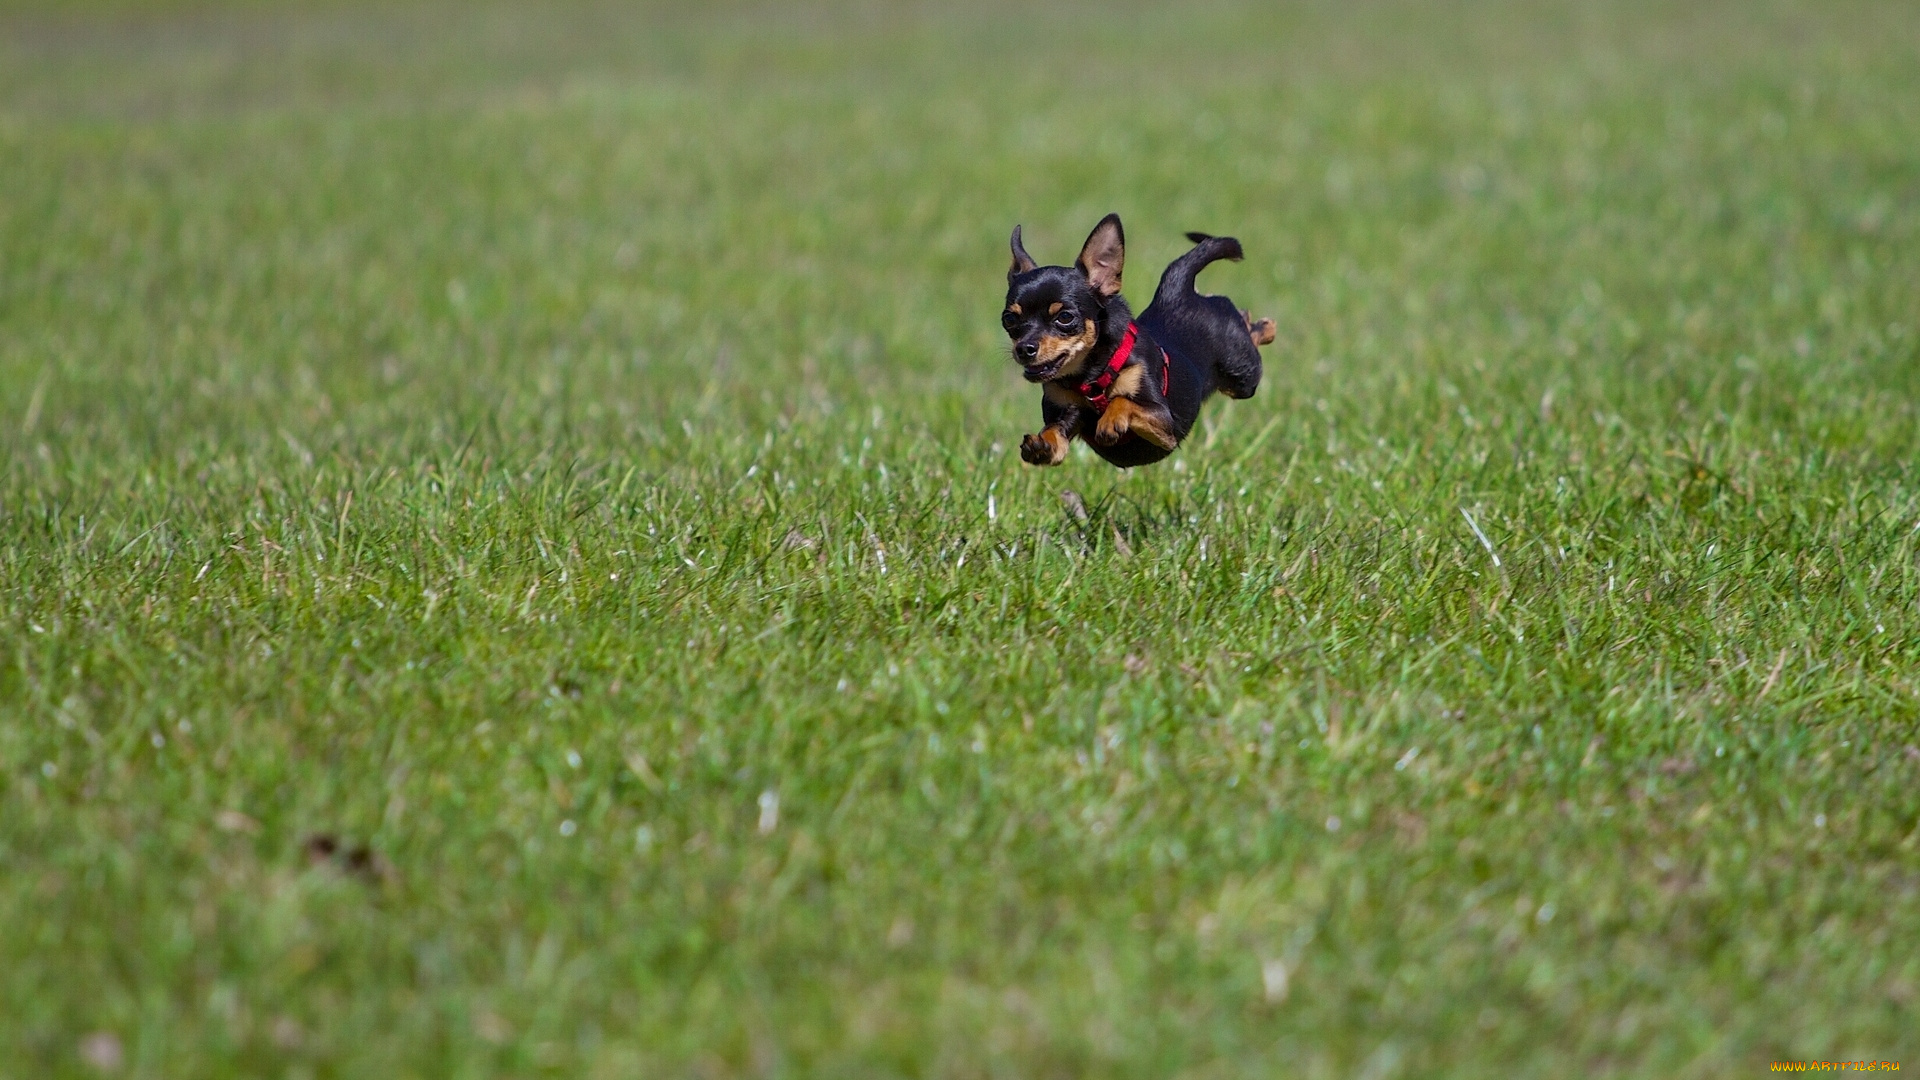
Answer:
(1117, 521)
(1124, 523)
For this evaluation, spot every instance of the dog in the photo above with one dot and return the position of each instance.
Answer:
(1131, 387)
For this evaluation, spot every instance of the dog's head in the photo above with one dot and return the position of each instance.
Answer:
(1054, 314)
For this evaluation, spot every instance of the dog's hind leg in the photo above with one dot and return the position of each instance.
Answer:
(1236, 365)
(1261, 330)
(1238, 373)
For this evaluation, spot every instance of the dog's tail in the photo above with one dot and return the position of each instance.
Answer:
(1177, 281)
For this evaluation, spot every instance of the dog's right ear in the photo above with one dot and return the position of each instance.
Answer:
(1106, 252)
(1022, 262)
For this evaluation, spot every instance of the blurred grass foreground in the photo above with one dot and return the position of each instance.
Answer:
(512, 561)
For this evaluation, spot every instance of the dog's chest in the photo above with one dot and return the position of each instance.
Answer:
(1125, 384)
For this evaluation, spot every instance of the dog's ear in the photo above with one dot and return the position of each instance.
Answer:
(1103, 255)
(1022, 262)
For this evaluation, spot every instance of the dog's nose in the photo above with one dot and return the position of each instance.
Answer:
(1027, 350)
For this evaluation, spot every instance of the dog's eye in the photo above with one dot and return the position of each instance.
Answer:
(1009, 320)
(1065, 319)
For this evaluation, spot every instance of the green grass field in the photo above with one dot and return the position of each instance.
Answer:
(570, 452)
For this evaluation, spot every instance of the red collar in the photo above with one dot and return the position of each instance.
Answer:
(1095, 389)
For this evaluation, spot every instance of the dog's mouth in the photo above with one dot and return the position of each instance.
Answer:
(1044, 370)
(1062, 355)
(1062, 362)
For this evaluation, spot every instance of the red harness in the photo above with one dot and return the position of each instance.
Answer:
(1095, 389)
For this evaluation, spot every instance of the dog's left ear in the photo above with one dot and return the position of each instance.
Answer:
(1103, 255)
(1022, 262)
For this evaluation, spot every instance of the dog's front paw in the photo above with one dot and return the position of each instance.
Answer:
(1114, 424)
(1049, 447)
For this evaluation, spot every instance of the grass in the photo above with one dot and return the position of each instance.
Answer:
(570, 452)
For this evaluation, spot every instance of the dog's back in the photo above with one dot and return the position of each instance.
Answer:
(1207, 334)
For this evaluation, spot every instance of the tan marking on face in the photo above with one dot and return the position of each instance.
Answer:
(1054, 308)
(1125, 417)
(1071, 351)
(1015, 308)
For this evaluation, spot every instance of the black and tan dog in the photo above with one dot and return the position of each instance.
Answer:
(1130, 387)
